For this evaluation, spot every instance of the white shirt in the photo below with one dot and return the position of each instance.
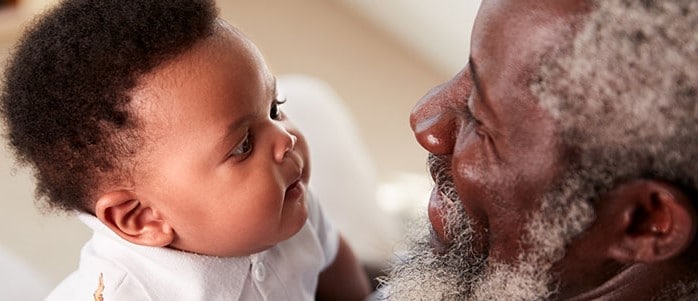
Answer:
(287, 271)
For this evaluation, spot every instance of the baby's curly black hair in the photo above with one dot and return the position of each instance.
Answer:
(66, 88)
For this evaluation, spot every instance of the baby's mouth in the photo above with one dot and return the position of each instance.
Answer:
(296, 189)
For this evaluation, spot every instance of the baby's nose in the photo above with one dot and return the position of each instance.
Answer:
(285, 143)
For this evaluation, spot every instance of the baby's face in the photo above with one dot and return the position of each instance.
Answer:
(222, 165)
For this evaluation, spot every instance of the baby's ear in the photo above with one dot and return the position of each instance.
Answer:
(124, 214)
(649, 221)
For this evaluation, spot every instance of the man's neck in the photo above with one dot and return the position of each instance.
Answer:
(676, 279)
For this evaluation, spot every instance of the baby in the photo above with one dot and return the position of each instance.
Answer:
(161, 124)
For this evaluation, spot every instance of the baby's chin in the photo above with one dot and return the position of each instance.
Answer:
(246, 250)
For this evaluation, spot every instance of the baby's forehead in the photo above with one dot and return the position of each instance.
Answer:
(224, 56)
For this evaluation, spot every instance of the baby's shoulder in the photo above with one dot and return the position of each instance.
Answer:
(99, 280)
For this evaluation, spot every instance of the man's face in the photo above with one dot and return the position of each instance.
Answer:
(500, 143)
(223, 165)
(493, 145)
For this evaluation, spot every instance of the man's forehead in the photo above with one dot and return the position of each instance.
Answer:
(511, 36)
(519, 21)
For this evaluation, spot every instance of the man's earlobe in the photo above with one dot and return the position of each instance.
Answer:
(124, 214)
(652, 221)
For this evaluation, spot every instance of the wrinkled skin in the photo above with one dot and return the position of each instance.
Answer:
(504, 157)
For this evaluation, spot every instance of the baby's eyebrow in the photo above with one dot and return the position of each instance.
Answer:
(231, 131)
(238, 123)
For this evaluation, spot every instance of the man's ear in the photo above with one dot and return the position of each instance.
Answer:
(647, 221)
(124, 214)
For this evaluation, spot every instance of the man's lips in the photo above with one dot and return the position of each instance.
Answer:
(443, 192)
(438, 239)
(439, 168)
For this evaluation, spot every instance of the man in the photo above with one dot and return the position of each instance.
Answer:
(565, 157)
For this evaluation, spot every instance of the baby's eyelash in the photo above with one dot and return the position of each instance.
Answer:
(243, 149)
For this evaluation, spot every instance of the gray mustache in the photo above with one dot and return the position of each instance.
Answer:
(440, 170)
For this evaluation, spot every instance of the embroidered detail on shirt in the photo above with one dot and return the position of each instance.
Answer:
(100, 288)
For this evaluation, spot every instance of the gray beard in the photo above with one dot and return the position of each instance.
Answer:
(421, 274)
(460, 273)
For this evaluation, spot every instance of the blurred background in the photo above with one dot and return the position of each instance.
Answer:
(373, 59)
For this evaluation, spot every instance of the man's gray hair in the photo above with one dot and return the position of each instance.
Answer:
(624, 93)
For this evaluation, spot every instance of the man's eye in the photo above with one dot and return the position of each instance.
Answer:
(469, 116)
(275, 111)
(243, 149)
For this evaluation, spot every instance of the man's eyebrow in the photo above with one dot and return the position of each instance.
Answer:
(475, 77)
(482, 96)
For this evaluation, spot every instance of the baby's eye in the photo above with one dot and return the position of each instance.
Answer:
(275, 112)
(243, 149)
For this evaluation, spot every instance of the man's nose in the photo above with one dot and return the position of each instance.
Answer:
(433, 123)
(284, 142)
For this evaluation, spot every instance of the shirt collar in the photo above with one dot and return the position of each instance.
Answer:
(191, 276)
